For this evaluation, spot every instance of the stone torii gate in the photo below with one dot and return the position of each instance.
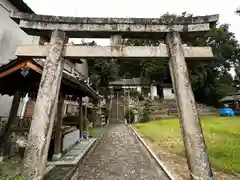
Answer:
(173, 31)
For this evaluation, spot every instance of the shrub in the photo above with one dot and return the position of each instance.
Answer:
(129, 115)
(134, 93)
(71, 120)
(140, 97)
(146, 112)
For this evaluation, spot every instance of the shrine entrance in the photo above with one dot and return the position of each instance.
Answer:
(172, 30)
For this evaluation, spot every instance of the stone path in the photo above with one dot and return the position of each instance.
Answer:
(75, 154)
(118, 157)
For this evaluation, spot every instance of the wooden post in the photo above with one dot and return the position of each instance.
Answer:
(197, 157)
(6, 136)
(58, 133)
(44, 111)
(81, 118)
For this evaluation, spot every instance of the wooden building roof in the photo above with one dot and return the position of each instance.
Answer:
(13, 77)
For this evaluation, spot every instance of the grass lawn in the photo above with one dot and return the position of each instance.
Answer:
(10, 169)
(222, 135)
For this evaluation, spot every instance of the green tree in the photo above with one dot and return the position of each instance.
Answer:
(101, 71)
(151, 69)
(212, 81)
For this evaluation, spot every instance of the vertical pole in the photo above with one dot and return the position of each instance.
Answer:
(58, 133)
(6, 137)
(196, 151)
(129, 99)
(81, 119)
(117, 106)
(44, 111)
(116, 43)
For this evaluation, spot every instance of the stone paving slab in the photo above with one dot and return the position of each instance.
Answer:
(119, 156)
(76, 153)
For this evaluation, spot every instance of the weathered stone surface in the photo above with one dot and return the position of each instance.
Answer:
(45, 109)
(118, 156)
(135, 31)
(87, 20)
(114, 52)
(198, 162)
(76, 27)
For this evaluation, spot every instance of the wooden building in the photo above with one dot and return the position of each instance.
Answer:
(21, 76)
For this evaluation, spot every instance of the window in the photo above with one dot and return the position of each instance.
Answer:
(172, 91)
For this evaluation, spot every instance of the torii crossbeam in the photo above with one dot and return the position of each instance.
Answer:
(172, 29)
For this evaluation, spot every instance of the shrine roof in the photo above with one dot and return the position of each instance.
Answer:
(11, 79)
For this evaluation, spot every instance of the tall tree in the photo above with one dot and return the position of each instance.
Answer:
(213, 81)
(210, 81)
(101, 71)
(153, 70)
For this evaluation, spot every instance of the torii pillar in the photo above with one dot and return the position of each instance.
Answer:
(128, 28)
(45, 110)
(196, 152)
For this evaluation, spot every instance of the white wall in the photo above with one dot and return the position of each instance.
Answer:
(82, 68)
(10, 34)
(10, 37)
(153, 91)
(168, 93)
(139, 88)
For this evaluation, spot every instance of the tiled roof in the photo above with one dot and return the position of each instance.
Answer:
(230, 98)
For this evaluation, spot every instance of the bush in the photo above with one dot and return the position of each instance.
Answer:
(134, 93)
(129, 115)
(140, 97)
(71, 121)
(146, 112)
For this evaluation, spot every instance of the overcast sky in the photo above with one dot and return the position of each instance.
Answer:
(139, 8)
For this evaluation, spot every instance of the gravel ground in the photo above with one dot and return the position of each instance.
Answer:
(119, 156)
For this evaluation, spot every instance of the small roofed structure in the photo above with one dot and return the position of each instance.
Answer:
(232, 100)
(21, 76)
(26, 74)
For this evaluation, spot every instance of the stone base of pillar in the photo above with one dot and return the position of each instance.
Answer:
(56, 157)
